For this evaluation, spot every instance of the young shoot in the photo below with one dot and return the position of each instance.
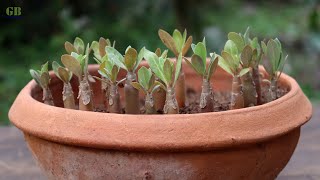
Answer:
(178, 44)
(147, 84)
(165, 70)
(110, 70)
(199, 64)
(230, 62)
(65, 76)
(274, 62)
(78, 65)
(99, 51)
(42, 78)
(129, 62)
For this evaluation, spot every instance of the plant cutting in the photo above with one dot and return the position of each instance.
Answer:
(65, 75)
(43, 79)
(199, 64)
(178, 44)
(240, 142)
(77, 62)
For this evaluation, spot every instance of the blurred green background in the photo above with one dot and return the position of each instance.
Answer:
(44, 26)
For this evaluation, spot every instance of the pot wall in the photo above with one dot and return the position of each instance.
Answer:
(262, 161)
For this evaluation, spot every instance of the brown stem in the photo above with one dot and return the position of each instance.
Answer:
(149, 104)
(159, 96)
(171, 105)
(180, 90)
(105, 92)
(266, 91)
(114, 105)
(206, 97)
(68, 97)
(85, 96)
(257, 82)
(47, 96)
(131, 95)
(249, 90)
(273, 88)
(236, 94)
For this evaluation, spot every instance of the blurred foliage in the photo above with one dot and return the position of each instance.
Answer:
(40, 33)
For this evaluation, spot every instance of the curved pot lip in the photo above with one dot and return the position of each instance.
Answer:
(176, 132)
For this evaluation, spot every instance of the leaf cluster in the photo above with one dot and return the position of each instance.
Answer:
(164, 68)
(41, 76)
(146, 81)
(274, 59)
(199, 60)
(62, 73)
(99, 48)
(109, 70)
(177, 43)
(129, 62)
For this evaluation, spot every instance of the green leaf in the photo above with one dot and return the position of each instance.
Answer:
(55, 67)
(231, 48)
(186, 46)
(237, 39)
(178, 69)
(138, 87)
(139, 59)
(246, 56)
(95, 47)
(267, 65)
(69, 47)
(44, 79)
(130, 58)
(273, 53)
(244, 71)
(116, 57)
(35, 75)
(168, 70)
(246, 36)
(212, 67)
(151, 80)
(226, 64)
(72, 64)
(79, 45)
(44, 67)
(164, 54)
(114, 73)
(168, 41)
(155, 64)
(144, 76)
(157, 83)
(158, 52)
(64, 74)
(178, 40)
(264, 47)
(200, 50)
(197, 64)
(86, 59)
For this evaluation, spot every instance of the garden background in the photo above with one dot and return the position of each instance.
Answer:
(38, 35)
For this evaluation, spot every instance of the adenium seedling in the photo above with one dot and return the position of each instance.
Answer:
(129, 62)
(65, 76)
(178, 44)
(147, 84)
(199, 64)
(165, 70)
(42, 78)
(99, 48)
(109, 70)
(274, 62)
(78, 65)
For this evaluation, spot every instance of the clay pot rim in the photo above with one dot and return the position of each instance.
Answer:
(178, 132)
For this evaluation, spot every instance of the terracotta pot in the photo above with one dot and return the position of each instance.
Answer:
(250, 143)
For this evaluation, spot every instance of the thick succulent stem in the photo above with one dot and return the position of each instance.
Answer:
(206, 97)
(47, 96)
(85, 96)
(249, 90)
(257, 82)
(114, 105)
(273, 88)
(180, 89)
(68, 97)
(105, 92)
(149, 104)
(237, 101)
(171, 105)
(131, 95)
(159, 96)
(266, 91)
